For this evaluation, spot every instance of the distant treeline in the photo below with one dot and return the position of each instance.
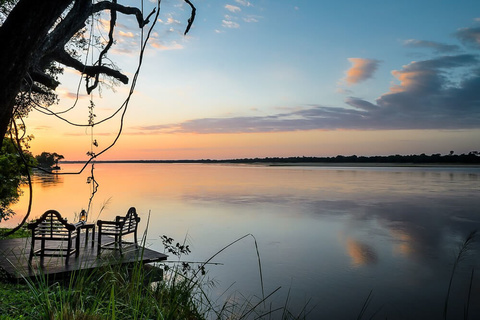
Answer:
(470, 158)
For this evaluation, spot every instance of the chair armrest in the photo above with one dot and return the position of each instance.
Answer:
(78, 224)
(100, 222)
(108, 227)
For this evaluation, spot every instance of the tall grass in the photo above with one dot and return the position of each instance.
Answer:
(462, 252)
(112, 292)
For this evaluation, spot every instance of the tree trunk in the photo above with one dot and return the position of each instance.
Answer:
(21, 35)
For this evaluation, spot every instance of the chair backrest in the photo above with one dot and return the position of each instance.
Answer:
(52, 226)
(131, 220)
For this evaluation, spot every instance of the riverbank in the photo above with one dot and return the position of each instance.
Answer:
(449, 159)
(374, 165)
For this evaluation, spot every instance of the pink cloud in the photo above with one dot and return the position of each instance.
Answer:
(231, 8)
(361, 70)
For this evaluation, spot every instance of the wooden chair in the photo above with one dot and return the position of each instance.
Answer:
(52, 227)
(118, 229)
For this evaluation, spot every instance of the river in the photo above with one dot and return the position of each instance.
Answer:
(327, 236)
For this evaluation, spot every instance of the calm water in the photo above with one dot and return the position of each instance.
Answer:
(327, 235)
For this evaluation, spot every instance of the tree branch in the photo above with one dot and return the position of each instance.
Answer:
(192, 16)
(66, 29)
(45, 79)
(107, 5)
(113, 21)
(64, 58)
(75, 21)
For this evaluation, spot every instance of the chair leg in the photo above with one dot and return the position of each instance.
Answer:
(32, 248)
(69, 247)
(42, 247)
(93, 235)
(77, 243)
(119, 241)
(99, 242)
(135, 238)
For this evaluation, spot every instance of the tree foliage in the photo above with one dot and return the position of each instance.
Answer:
(12, 175)
(48, 160)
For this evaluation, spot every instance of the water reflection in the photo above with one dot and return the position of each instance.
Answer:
(47, 179)
(361, 253)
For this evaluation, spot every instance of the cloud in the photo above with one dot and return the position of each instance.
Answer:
(232, 8)
(126, 34)
(236, 15)
(436, 93)
(469, 36)
(250, 19)
(170, 20)
(426, 97)
(65, 94)
(230, 24)
(38, 128)
(361, 104)
(309, 118)
(436, 46)
(429, 75)
(244, 3)
(173, 45)
(361, 70)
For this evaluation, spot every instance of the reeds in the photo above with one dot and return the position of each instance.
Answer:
(462, 252)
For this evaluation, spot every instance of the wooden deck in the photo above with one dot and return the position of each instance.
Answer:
(14, 255)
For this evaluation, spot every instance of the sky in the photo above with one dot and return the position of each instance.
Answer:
(263, 78)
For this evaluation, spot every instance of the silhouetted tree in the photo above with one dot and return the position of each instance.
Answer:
(48, 160)
(36, 38)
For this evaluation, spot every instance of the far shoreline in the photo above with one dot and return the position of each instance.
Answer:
(290, 164)
(451, 159)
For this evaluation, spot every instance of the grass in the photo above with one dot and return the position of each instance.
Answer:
(21, 233)
(111, 292)
(16, 301)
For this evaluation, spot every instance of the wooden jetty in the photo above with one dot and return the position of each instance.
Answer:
(14, 254)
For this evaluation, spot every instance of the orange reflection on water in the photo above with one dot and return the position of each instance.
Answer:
(403, 243)
(360, 253)
(68, 200)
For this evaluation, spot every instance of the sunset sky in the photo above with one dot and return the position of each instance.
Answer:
(265, 78)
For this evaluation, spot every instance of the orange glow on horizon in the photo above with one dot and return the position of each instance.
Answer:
(75, 142)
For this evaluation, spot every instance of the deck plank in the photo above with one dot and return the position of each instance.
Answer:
(14, 255)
